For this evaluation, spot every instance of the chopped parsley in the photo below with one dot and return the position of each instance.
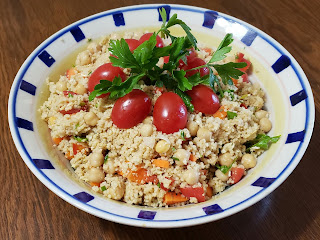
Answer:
(224, 169)
(183, 135)
(159, 185)
(262, 141)
(175, 159)
(173, 148)
(80, 139)
(70, 95)
(103, 188)
(82, 104)
(106, 158)
(231, 115)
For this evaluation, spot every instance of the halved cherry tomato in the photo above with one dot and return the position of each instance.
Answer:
(204, 99)
(169, 113)
(197, 192)
(131, 109)
(66, 93)
(147, 36)
(236, 174)
(245, 78)
(133, 44)
(240, 58)
(141, 176)
(193, 63)
(105, 72)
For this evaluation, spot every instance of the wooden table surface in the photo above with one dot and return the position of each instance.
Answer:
(30, 211)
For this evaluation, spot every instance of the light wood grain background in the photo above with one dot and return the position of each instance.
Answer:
(28, 210)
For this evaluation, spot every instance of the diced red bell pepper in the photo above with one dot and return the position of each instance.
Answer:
(197, 192)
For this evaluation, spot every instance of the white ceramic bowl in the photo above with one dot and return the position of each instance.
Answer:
(289, 99)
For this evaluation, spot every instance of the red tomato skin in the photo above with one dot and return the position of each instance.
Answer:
(133, 44)
(146, 37)
(75, 110)
(240, 58)
(204, 99)
(131, 109)
(245, 78)
(198, 193)
(105, 72)
(193, 63)
(236, 174)
(169, 113)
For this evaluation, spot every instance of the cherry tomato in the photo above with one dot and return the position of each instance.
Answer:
(169, 113)
(105, 72)
(204, 99)
(146, 37)
(190, 56)
(75, 110)
(245, 78)
(131, 109)
(236, 174)
(193, 63)
(197, 192)
(240, 58)
(133, 44)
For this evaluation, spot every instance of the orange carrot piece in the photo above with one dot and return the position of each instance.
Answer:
(208, 50)
(141, 176)
(57, 140)
(78, 148)
(161, 163)
(193, 158)
(235, 81)
(70, 72)
(68, 156)
(94, 184)
(172, 198)
(209, 192)
(221, 113)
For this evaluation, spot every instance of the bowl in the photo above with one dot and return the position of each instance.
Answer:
(289, 99)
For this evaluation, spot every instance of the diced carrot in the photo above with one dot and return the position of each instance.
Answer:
(193, 158)
(161, 163)
(78, 148)
(221, 113)
(172, 198)
(235, 81)
(141, 176)
(57, 140)
(120, 173)
(70, 72)
(68, 156)
(209, 192)
(94, 184)
(208, 50)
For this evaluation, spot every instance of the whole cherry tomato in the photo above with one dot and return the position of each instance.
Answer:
(193, 63)
(204, 99)
(133, 44)
(146, 37)
(104, 72)
(131, 109)
(169, 113)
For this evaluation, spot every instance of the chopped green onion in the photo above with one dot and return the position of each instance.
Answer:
(183, 135)
(70, 95)
(158, 184)
(80, 139)
(103, 188)
(231, 115)
(175, 159)
(106, 158)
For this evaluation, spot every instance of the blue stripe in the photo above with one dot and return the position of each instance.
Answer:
(263, 182)
(282, 63)
(298, 97)
(147, 214)
(168, 9)
(210, 18)
(213, 209)
(77, 33)
(46, 58)
(42, 164)
(118, 19)
(28, 87)
(22, 123)
(295, 137)
(249, 37)
(83, 197)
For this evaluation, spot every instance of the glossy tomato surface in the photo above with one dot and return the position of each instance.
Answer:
(133, 44)
(169, 113)
(105, 72)
(147, 36)
(131, 109)
(193, 63)
(204, 99)
(197, 192)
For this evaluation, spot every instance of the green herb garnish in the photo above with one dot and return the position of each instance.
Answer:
(224, 169)
(175, 159)
(183, 135)
(159, 185)
(262, 141)
(89, 40)
(103, 188)
(80, 139)
(173, 148)
(106, 158)
(231, 115)
(70, 95)
(82, 104)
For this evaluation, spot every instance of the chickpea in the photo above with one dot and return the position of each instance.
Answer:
(248, 161)
(80, 89)
(193, 128)
(261, 114)
(146, 130)
(162, 146)
(265, 124)
(91, 118)
(96, 159)
(225, 159)
(147, 120)
(61, 86)
(109, 167)
(191, 176)
(223, 177)
(117, 192)
(95, 175)
(183, 156)
(83, 58)
(204, 133)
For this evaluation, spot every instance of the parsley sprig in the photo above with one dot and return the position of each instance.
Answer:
(262, 141)
(143, 64)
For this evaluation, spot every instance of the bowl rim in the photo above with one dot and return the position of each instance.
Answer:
(309, 124)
